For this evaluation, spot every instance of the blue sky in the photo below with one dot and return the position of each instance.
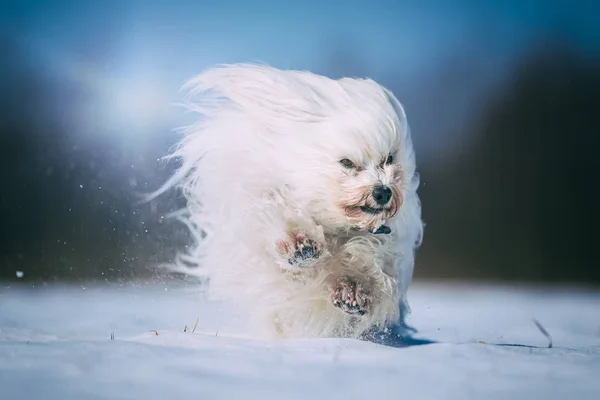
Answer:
(188, 35)
(140, 52)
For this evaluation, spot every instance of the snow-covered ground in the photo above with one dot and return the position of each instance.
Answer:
(55, 343)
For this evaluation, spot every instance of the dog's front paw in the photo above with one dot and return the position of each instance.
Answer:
(350, 296)
(299, 250)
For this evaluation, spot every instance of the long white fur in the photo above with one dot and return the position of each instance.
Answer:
(262, 161)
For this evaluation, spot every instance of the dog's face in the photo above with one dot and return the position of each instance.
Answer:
(369, 189)
(359, 166)
(354, 163)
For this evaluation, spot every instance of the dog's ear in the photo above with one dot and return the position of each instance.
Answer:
(399, 110)
(256, 90)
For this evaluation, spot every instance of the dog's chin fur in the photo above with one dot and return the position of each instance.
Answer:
(263, 163)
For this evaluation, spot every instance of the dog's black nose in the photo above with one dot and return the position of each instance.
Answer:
(382, 194)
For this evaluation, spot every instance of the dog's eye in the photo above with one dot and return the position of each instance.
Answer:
(347, 163)
(387, 161)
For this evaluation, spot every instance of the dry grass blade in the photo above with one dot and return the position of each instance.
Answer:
(544, 332)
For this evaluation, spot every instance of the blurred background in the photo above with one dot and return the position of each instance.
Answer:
(502, 98)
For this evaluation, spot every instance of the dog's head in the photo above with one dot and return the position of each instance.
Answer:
(342, 146)
(354, 168)
(364, 175)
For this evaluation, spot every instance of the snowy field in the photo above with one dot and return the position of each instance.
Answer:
(55, 343)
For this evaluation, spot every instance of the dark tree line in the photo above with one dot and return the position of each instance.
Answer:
(523, 202)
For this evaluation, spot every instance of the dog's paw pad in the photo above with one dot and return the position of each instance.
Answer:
(306, 251)
(300, 250)
(350, 297)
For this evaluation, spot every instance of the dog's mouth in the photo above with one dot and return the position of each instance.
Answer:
(371, 210)
(382, 230)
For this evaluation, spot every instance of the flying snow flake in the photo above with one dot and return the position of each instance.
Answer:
(20, 274)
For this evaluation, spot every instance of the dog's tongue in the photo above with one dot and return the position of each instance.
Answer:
(383, 229)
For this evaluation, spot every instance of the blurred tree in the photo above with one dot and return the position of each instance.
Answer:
(523, 203)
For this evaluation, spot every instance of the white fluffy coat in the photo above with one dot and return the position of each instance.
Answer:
(263, 163)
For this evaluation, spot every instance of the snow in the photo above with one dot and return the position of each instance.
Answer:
(55, 343)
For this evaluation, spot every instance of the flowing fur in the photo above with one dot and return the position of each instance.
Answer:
(263, 164)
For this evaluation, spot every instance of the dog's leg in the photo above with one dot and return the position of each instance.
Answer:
(299, 250)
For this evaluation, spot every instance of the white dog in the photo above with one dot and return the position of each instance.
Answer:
(301, 191)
